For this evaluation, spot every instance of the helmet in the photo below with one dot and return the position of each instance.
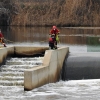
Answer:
(54, 27)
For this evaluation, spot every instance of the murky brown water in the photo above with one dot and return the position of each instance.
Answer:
(40, 34)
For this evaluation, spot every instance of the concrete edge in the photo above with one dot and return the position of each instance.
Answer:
(48, 72)
(19, 50)
(5, 52)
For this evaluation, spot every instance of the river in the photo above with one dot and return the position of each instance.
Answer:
(77, 39)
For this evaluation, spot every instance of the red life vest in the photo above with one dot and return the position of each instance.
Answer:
(51, 40)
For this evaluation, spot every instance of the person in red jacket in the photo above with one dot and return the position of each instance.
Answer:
(54, 31)
(2, 38)
(52, 42)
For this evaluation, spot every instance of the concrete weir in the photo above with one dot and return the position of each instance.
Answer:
(48, 72)
(19, 51)
(5, 52)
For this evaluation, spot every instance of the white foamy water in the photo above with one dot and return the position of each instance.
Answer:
(68, 90)
(13, 89)
(12, 74)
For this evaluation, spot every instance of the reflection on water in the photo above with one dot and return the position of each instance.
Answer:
(40, 34)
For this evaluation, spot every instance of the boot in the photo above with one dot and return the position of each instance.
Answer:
(55, 46)
(4, 45)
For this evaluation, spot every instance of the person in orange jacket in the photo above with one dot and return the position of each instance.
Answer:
(2, 39)
(54, 31)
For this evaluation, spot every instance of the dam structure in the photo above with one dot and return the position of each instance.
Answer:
(15, 59)
(54, 65)
(44, 72)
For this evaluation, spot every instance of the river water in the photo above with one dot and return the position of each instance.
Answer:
(77, 39)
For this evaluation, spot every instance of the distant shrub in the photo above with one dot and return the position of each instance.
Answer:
(22, 5)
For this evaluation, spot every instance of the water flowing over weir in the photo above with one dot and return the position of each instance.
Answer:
(81, 66)
(12, 73)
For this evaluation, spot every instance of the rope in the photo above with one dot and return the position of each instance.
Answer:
(9, 41)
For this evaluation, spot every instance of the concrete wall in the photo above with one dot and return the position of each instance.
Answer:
(41, 75)
(48, 72)
(19, 50)
(28, 50)
(5, 52)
